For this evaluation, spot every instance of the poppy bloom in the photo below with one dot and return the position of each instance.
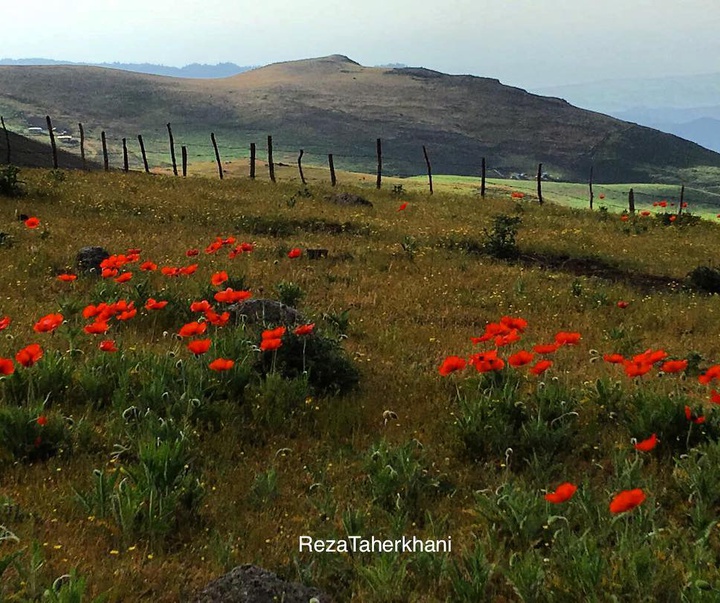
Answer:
(219, 278)
(4, 322)
(540, 367)
(274, 333)
(567, 338)
(673, 218)
(295, 252)
(230, 296)
(626, 500)
(229, 241)
(109, 272)
(486, 362)
(663, 203)
(270, 344)
(6, 366)
(601, 195)
(199, 346)
(192, 252)
(148, 266)
(48, 323)
(200, 306)
(650, 356)
(304, 329)
(213, 247)
(108, 346)
(521, 358)
(152, 304)
(648, 444)
(29, 355)
(546, 348)
(402, 206)
(221, 364)
(714, 397)
(192, 328)
(637, 368)
(67, 278)
(127, 314)
(124, 277)
(32, 222)
(41, 420)
(217, 320)
(97, 328)
(614, 358)
(247, 247)
(624, 218)
(511, 337)
(563, 493)
(517, 323)
(517, 195)
(699, 420)
(493, 329)
(623, 304)
(452, 364)
(674, 366)
(710, 375)
(645, 213)
(170, 271)
(188, 270)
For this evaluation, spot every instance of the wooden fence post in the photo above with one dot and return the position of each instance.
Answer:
(271, 165)
(252, 160)
(302, 176)
(52, 141)
(217, 155)
(333, 179)
(172, 149)
(631, 201)
(7, 139)
(429, 168)
(144, 155)
(183, 151)
(682, 199)
(82, 144)
(539, 184)
(106, 161)
(590, 184)
(126, 165)
(482, 178)
(378, 184)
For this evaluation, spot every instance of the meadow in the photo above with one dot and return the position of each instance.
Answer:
(146, 459)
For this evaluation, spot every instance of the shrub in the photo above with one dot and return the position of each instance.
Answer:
(705, 278)
(500, 240)
(290, 294)
(10, 185)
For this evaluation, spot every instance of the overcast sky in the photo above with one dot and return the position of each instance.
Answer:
(522, 42)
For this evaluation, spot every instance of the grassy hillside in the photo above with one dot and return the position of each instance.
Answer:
(333, 105)
(146, 472)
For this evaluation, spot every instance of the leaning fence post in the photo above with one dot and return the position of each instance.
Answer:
(7, 139)
(144, 155)
(172, 149)
(302, 176)
(271, 165)
(217, 155)
(52, 141)
(82, 144)
(429, 168)
(682, 199)
(378, 184)
(106, 161)
(539, 184)
(333, 179)
(590, 184)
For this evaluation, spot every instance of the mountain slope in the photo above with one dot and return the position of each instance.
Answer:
(334, 105)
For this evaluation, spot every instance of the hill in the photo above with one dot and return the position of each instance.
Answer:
(334, 105)
(27, 152)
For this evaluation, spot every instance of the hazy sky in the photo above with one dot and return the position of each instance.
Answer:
(521, 42)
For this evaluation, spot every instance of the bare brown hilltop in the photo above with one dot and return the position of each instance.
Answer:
(333, 104)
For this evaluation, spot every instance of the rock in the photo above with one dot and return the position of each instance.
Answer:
(349, 199)
(265, 312)
(253, 584)
(316, 254)
(88, 260)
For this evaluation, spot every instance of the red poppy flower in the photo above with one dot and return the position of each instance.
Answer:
(200, 306)
(517, 323)
(4, 322)
(221, 364)
(48, 323)
(648, 444)
(673, 218)
(192, 252)
(213, 247)
(148, 266)
(663, 203)
(109, 272)
(270, 344)
(452, 364)
(521, 358)
(567, 338)
(674, 366)
(199, 346)
(67, 278)
(635, 368)
(304, 329)
(546, 348)
(219, 278)
(486, 362)
(229, 241)
(192, 328)
(540, 367)
(152, 304)
(7, 367)
(493, 329)
(295, 252)
(624, 218)
(188, 270)
(230, 296)
(511, 337)
(108, 346)
(714, 397)
(710, 375)
(41, 420)
(29, 355)
(247, 247)
(274, 333)
(96, 328)
(217, 320)
(32, 222)
(699, 420)
(517, 195)
(563, 493)
(127, 314)
(170, 271)
(402, 206)
(623, 304)
(601, 195)
(645, 213)
(614, 358)
(124, 277)
(626, 500)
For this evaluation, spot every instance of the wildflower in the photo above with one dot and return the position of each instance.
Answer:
(217, 320)
(188, 270)
(127, 314)
(698, 420)
(29, 355)
(624, 217)
(567, 338)
(200, 306)
(452, 364)
(109, 272)
(626, 500)
(199, 346)
(623, 304)
(645, 213)
(521, 358)
(67, 278)
(304, 329)
(152, 304)
(221, 364)
(192, 252)
(663, 203)
(714, 397)
(402, 206)
(230, 296)
(170, 271)
(563, 493)
(493, 329)
(601, 195)
(511, 337)
(295, 252)
(674, 366)
(148, 266)
(229, 241)
(124, 277)
(108, 345)
(614, 358)
(6, 366)
(648, 444)
(192, 328)
(637, 368)
(546, 348)
(96, 328)
(247, 247)
(517, 195)
(673, 218)
(4, 322)
(213, 247)
(48, 323)
(219, 278)
(517, 323)
(540, 367)
(41, 420)
(486, 362)
(270, 344)
(32, 222)
(710, 375)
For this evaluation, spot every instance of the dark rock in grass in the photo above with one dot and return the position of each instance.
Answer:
(5, 240)
(88, 260)
(265, 312)
(349, 199)
(253, 584)
(316, 254)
